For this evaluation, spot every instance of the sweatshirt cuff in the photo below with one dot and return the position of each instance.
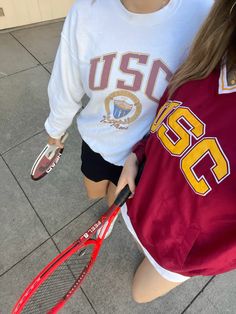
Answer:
(52, 132)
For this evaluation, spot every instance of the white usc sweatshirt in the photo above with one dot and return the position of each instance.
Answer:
(123, 62)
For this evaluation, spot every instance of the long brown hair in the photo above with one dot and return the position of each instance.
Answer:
(216, 37)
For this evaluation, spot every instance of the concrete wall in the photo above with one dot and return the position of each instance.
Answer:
(15, 13)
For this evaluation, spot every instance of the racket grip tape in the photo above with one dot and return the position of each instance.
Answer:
(125, 192)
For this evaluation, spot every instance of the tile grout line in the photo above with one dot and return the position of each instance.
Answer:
(68, 223)
(197, 295)
(1, 154)
(31, 53)
(92, 306)
(26, 196)
(22, 142)
(50, 236)
(18, 262)
(24, 70)
(31, 26)
(35, 211)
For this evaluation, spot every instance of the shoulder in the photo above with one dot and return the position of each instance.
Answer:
(80, 16)
(84, 7)
(84, 12)
(81, 8)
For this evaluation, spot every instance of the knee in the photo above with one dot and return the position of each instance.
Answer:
(93, 195)
(138, 296)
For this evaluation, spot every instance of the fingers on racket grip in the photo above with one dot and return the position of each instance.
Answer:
(122, 196)
(125, 192)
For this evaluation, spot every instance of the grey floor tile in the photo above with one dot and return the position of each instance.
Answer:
(109, 284)
(202, 305)
(41, 41)
(13, 283)
(20, 229)
(60, 196)
(221, 292)
(13, 57)
(72, 231)
(23, 106)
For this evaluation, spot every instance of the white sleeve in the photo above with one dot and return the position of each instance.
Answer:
(65, 88)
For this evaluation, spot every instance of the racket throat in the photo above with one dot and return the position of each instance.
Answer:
(56, 308)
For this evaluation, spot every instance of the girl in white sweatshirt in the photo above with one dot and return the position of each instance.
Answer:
(122, 55)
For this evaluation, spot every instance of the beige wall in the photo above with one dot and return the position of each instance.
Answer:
(23, 12)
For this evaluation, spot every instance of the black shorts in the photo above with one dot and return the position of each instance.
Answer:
(95, 168)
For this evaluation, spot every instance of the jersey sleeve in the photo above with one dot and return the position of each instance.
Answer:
(139, 149)
(65, 88)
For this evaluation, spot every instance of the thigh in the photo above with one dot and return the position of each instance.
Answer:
(148, 284)
(110, 193)
(96, 189)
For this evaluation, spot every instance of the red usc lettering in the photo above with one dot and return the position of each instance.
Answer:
(138, 76)
(107, 63)
(101, 73)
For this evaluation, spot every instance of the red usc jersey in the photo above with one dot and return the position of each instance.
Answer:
(184, 208)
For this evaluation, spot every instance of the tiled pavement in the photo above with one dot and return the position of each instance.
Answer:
(38, 219)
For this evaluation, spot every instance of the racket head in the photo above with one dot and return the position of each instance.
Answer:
(66, 272)
(57, 282)
(47, 160)
(39, 297)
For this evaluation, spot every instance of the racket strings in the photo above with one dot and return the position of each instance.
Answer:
(59, 283)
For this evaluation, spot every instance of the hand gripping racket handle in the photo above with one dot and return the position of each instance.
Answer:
(125, 192)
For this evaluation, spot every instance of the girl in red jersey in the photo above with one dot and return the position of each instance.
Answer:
(183, 213)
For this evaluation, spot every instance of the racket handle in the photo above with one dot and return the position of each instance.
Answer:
(64, 138)
(125, 192)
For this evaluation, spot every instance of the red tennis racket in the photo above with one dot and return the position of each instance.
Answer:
(47, 160)
(58, 281)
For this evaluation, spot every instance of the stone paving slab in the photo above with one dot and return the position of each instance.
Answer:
(23, 106)
(13, 57)
(109, 284)
(20, 229)
(221, 293)
(13, 283)
(60, 196)
(42, 41)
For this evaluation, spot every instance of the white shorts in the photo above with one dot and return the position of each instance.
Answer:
(168, 275)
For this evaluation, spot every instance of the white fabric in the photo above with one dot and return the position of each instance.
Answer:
(224, 87)
(168, 275)
(120, 112)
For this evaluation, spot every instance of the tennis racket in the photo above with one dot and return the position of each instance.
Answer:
(58, 281)
(47, 160)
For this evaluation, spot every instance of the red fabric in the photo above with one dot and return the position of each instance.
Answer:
(185, 232)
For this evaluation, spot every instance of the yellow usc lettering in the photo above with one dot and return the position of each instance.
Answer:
(197, 130)
(220, 168)
(163, 113)
(185, 125)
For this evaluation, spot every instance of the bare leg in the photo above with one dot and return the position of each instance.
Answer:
(96, 189)
(148, 284)
(110, 193)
